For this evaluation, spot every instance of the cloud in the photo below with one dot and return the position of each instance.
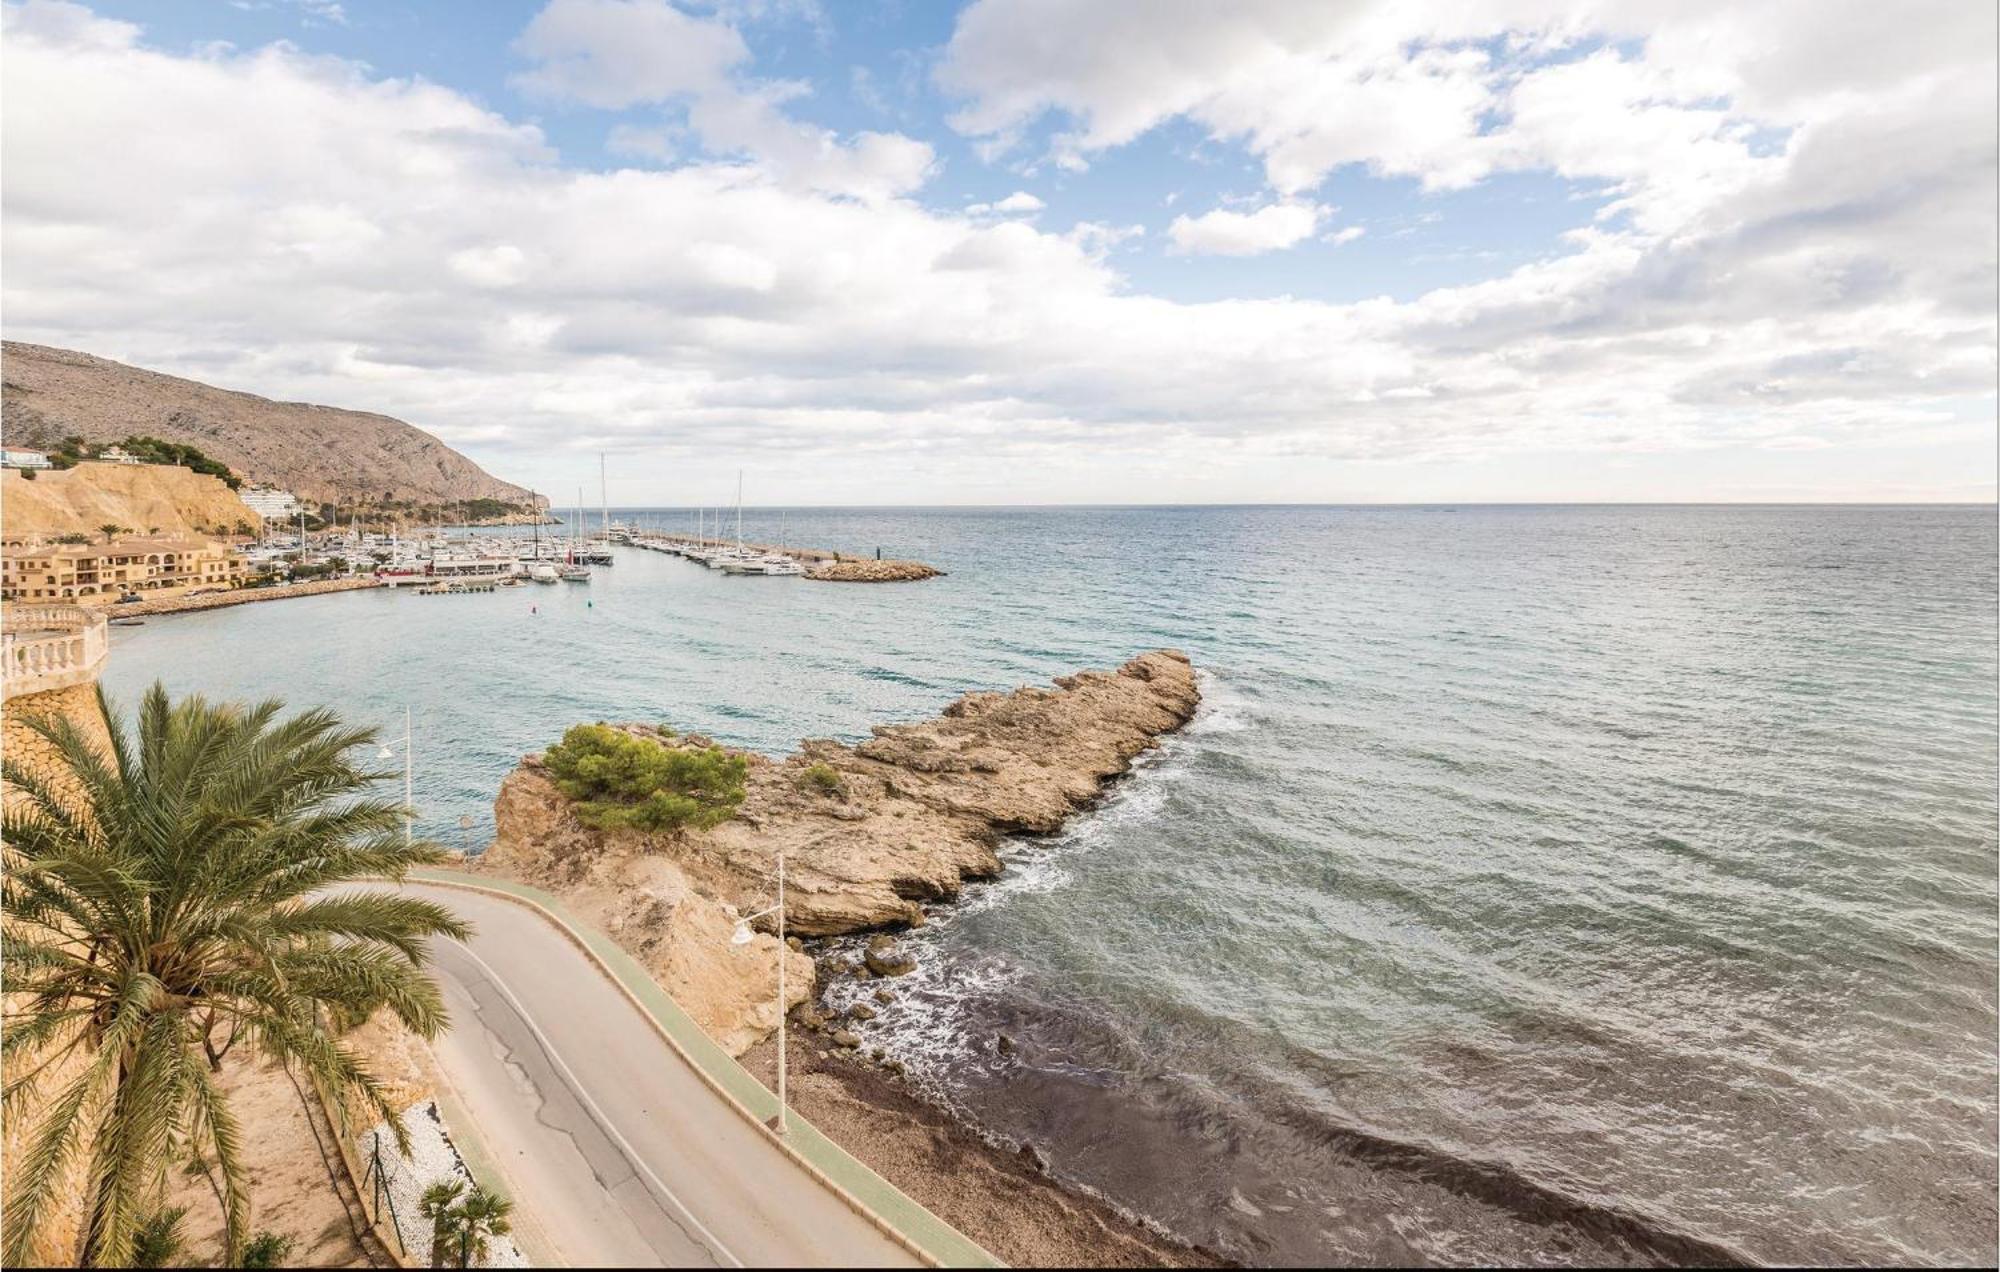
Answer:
(617, 54)
(1019, 203)
(391, 244)
(1226, 233)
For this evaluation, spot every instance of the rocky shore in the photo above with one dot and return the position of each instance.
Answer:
(869, 571)
(870, 834)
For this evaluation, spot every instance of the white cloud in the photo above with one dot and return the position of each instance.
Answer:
(615, 54)
(618, 53)
(394, 245)
(1346, 234)
(1019, 203)
(1226, 233)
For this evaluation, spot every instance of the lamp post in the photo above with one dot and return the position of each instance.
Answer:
(387, 753)
(742, 936)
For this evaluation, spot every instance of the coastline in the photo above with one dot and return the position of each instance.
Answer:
(1006, 1201)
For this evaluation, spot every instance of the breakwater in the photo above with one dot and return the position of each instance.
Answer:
(236, 596)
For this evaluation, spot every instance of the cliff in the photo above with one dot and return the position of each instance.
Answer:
(142, 497)
(869, 832)
(320, 453)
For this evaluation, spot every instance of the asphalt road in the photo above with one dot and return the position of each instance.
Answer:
(615, 1152)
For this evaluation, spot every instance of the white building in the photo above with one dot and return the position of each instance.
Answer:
(270, 503)
(118, 455)
(11, 458)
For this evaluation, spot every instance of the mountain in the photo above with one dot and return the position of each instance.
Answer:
(323, 454)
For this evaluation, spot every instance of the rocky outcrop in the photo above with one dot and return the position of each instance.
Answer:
(322, 454)
(848, 571)
(868, 832)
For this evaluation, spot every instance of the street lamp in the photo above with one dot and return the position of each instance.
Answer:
(742, 936)
(386, 753)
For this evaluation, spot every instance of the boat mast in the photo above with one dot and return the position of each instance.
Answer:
(739, 510)
(603, 496)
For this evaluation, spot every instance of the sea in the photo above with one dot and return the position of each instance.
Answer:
(1537, 885)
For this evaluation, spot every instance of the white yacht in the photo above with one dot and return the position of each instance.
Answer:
(543, 572)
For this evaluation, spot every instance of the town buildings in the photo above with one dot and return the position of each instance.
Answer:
(88, 573)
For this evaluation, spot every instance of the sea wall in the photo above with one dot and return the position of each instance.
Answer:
(869, 832)
(236, 596)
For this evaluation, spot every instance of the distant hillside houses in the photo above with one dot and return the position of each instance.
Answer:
(13, 457)
(270, 503)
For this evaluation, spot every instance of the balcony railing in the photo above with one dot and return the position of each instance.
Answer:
(44, 647)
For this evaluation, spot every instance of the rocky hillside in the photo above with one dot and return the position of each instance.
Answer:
(869, 831)
(321, 453)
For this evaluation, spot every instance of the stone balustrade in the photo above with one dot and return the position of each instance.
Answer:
(49, 647)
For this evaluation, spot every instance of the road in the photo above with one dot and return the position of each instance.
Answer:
(615, 1151)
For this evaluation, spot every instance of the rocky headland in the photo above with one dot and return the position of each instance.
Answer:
(869, 833)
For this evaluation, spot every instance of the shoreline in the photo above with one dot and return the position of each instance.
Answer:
(238, 596)
(1008, 1202)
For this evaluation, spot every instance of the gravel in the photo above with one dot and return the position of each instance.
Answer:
(432, 1159)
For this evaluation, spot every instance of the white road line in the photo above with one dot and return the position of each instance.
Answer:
(632, 1155)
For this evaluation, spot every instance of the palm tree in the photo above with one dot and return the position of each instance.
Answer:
(110, 530)
(461, 1230)
(168, 896)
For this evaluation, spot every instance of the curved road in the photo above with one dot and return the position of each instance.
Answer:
(616, 1152)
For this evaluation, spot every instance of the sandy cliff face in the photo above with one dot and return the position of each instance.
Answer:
(868, 832)
(140, 496)
(320, 453)
(646, 902)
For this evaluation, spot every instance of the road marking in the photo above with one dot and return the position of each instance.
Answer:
(632, 1154)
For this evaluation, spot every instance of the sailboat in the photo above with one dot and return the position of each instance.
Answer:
(539, 570)
(573, 570)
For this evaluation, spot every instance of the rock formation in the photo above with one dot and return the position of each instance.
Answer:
(865, 571)
(869, 832)
(322, 454)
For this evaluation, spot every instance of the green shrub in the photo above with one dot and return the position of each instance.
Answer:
(618, 780)
(823, 778)
(268, 1250)
(159, 1241)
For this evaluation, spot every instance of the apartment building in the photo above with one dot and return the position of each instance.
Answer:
(84, 572)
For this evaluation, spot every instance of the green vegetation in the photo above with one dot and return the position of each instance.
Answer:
(618, 780)
(73, 538)
(823, 778)
(153, 450)
(267, 1250)
(169, 895)
(111, 530)
(460, 1230)
(159, 1241)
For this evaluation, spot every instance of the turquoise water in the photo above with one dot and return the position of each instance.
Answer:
(1537, 884)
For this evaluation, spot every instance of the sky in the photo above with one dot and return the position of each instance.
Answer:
(1044, 251)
